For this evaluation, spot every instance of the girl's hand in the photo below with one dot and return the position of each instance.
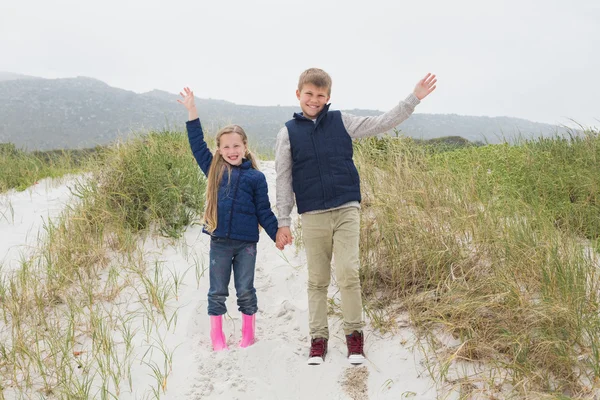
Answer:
(189, 102)
(188, 99)
(425, 86)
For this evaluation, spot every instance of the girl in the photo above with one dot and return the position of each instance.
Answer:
(236, 203)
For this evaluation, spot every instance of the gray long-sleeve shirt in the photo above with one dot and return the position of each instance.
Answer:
(357, 127)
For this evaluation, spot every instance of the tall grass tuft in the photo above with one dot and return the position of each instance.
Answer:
(489, 246)
(154, 179)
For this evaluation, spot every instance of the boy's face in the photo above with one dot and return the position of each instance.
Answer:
(312, 99)
(232, 148)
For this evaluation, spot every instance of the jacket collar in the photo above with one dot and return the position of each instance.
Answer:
(246, 164)
(300, 116)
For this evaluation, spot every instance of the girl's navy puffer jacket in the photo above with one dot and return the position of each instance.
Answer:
(243, 200)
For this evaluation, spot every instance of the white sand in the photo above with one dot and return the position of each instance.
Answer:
(275, 366)
(23, 215)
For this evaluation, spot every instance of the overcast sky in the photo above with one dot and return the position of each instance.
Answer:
(538, 60)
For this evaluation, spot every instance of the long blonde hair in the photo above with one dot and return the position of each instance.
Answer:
(218, 167)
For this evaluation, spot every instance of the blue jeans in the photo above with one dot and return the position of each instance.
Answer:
(226, 254)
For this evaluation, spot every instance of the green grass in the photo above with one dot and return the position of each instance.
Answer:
(492, 246)
(489, 245)
(20, 169)
(559, 177)
(153, 178)
(60, 337)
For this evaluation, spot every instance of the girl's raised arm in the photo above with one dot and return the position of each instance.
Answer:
(200, 150)
(189, 103)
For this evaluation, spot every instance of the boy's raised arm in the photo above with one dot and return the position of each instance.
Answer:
(359, 127)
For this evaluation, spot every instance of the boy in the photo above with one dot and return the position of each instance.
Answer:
(313, 160)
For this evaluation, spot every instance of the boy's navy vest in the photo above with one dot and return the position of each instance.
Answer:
(323, 173)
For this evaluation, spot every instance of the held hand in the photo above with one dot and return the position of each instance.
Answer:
(284, 237)
(189, 102)
(425, 86)
(279, 240)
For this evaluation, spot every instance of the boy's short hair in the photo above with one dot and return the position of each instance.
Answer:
(317, 77)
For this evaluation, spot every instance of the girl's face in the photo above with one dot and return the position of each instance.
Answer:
(232, 148)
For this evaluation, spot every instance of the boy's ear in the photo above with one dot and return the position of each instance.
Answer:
(298, 94)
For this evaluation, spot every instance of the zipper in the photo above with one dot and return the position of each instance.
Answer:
(237, 184)
(312, 137)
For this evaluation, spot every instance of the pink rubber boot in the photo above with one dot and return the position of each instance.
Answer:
(247, 330)
(216, 333)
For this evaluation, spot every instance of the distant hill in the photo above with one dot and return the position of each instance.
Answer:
(42, 114)
(9, 76)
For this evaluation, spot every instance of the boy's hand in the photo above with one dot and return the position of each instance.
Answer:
(425, 86)
(284, 237)
(189, 102)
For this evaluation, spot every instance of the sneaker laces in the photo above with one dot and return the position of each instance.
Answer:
(355, 343)
(317, 348)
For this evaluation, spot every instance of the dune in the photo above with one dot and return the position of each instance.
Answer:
(274, 367)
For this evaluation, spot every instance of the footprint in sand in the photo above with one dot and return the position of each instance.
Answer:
(286, 312)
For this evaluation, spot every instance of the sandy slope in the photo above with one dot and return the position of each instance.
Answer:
(22, 218)
(275, 366)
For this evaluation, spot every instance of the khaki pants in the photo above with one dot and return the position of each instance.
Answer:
(336, 232)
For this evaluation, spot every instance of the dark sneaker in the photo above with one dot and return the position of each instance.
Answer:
(318, 349)
(355, 343)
